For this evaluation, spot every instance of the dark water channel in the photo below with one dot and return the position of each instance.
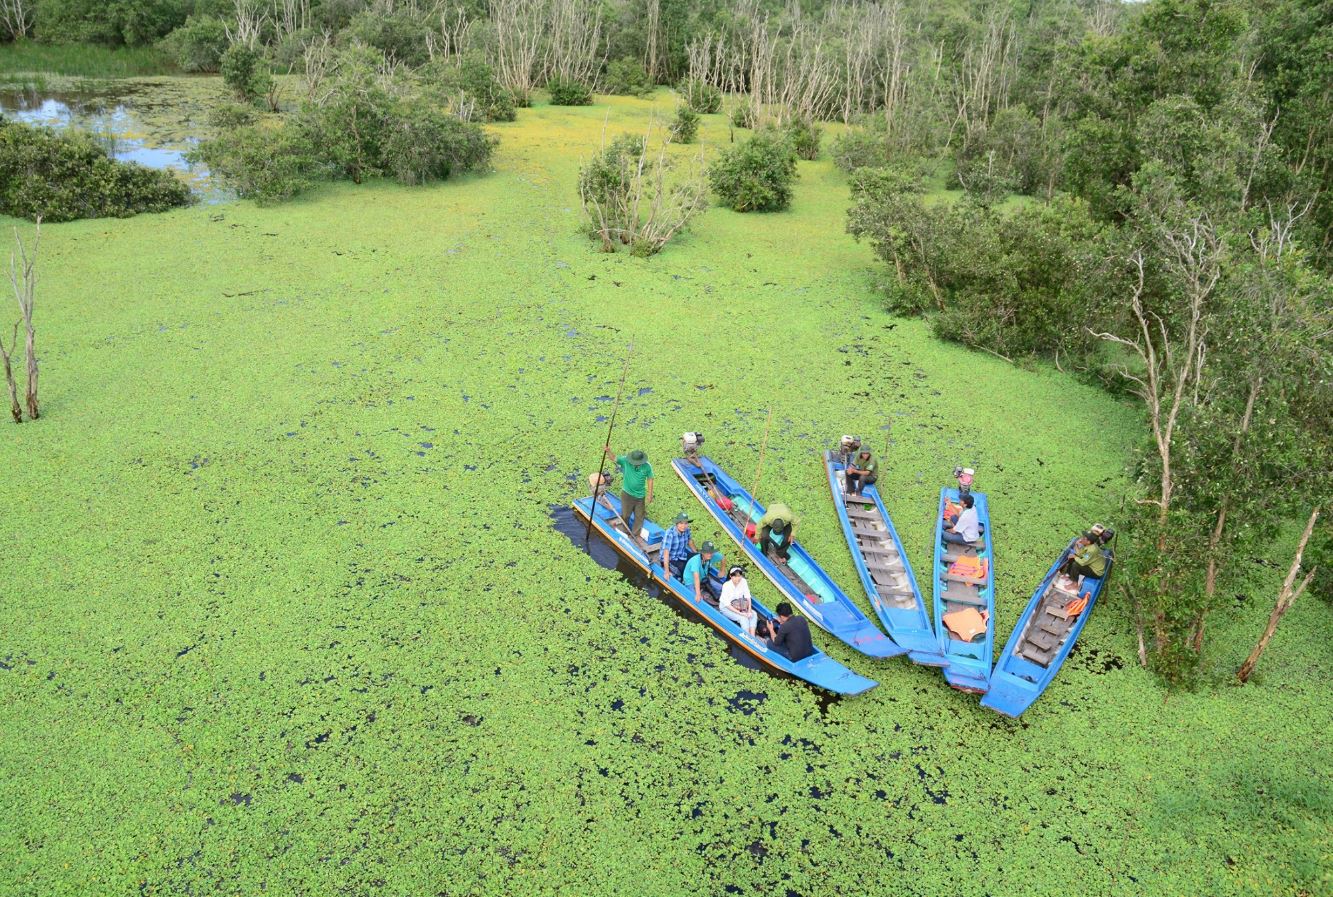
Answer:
(114, 117)
(575, 528)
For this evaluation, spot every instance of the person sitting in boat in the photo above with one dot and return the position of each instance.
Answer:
(1086, 558)
(792, 639)
(862, 471)
(701, 572)
(636, 487)
(735, 602)
(677, 546)
(777, 530)
(966, 528)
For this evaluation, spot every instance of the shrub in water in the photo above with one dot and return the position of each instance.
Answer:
(701, 96)
(628, 201)
(685, 125)
(860, 148)
(62, 177)
(422, 144)
(246, 73)
(568, 92)
(804, 138)
(468, 86)
(755, 176)
(198, 45)
(266, 164)
(628, 77)
(743, 116)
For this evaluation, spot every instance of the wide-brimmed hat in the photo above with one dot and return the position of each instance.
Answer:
(682, 518)
(638, 456)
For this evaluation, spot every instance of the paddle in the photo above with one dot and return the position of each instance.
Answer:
(601, 467)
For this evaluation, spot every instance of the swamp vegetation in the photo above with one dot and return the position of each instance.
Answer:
(285, 609)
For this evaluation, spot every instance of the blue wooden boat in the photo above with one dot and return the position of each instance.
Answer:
(817, 669)
(969, 659)
(801, 581)
(882, 565)
(1042, 639)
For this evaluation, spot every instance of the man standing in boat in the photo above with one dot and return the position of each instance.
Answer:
(636, 487)
(862, 471)
(777, 530)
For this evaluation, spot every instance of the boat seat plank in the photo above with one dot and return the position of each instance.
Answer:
(961, 594)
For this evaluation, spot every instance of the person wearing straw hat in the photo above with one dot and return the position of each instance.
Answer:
(677, 545)
(636, 487)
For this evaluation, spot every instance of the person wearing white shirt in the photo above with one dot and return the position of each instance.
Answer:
(735, 602)
(967, 528)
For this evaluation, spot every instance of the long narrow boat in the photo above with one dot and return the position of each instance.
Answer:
(1042, 639)
(800, 580)
(882, 565)
(963, 581)
(817, 669)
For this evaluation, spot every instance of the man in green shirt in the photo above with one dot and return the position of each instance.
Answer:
(1086, 558)
(636, 487)
(777, 530)
(862, 471)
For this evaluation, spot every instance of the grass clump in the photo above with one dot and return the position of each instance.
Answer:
(82, 60)
(628, 201)
(757, 174)
(685, 125)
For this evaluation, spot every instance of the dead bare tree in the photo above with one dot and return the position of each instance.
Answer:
(250, 17)
(1286, 597)
(986, 70)
(6, 354)
(23, 278)
(575, 41)
(520, 27)
(629, 201)
(452, 39)
(651, 50)
(289, 16)
(17, 17)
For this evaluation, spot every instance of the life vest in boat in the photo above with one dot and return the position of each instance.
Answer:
(966, 625)
(969, 566)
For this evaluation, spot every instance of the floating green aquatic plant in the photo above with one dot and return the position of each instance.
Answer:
(283, 610)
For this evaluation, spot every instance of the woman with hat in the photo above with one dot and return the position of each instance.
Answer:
(735, 602)
(636, 487)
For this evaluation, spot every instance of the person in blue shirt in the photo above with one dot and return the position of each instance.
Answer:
(703, 572)
(677, 546)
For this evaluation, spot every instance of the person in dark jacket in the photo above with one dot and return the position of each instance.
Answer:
(792, 639)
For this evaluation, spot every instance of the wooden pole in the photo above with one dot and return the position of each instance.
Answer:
(601, 467)
(759, 468)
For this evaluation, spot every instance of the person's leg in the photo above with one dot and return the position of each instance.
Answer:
(631, 511)
(734, 616)
(953, 538)
(853, 483)
(751, 621)
(678, 567)
(870, 480)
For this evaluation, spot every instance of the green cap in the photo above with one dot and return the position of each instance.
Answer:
(707, 548)
(638, 456)
(681, 518)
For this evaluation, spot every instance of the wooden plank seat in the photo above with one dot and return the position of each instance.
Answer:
(961, 594)
(1046, 642)
(978, 581)
(1036, 655)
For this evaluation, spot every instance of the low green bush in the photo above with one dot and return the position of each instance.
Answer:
(756, 175)
(685, 125)
(245, 71)
(568, 92)
(701, 96)
(468, 86)
(804, 138)
(743, 116)
(198, 45)
(422, 143)
(266, 164)
(859, 147)
(628, 77)
(66, 176)
(401, 35)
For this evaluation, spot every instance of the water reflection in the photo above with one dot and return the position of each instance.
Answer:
(111, 119)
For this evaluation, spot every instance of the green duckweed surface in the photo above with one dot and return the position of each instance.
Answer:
(284, 611)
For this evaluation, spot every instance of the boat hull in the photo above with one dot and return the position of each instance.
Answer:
(818, 669)
(834, 612)
(969, 662)
(886, 576)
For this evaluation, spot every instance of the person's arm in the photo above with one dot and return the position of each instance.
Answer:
(648, 497)
(698, 592)
(780, 634)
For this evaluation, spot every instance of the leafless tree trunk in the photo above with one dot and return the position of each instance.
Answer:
(250, 16)
(6, 354)
(23, 277)
(289, 16)
(520, 27)
(452, 39)
(653, 25)
(1285, 599)
(17, 17)
(575, 40)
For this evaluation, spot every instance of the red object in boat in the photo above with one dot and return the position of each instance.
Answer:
(725, 503)
(749, 530)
